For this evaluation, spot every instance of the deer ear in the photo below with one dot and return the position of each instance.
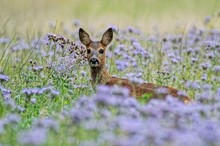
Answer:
(107, 37)
(84, 37)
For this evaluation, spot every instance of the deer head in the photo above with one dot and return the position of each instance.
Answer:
(96, 50)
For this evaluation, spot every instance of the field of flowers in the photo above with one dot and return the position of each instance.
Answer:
(46, 97)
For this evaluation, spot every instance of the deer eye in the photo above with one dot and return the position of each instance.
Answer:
(88, 51)
(101, 51)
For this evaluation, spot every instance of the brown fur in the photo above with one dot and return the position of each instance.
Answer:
(100, 75)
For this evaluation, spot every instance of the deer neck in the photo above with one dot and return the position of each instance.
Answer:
(99, 75)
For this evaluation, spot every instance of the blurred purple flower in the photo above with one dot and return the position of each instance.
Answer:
(35, 137)
(204, 77)
(4, 91)
(79, 115)
(161, 90)
(11, 120)
(193, 85)
(216, 69)
(129, 125)
(20, 45)
(121, 65)
(47, 123)
(205, 65)
(210, 55)
(4, 40)
(38, 91)
(120, 91)
(38, 68)
(33, 100)
(4, 78)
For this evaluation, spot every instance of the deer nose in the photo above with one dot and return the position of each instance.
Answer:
(94, 61)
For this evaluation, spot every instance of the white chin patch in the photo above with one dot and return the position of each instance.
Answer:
(94, 64)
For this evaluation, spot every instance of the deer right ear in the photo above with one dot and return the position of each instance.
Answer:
(107, 37)
(84, 37)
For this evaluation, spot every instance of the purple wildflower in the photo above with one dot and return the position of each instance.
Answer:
(35, 137)
(4, 78)
(38, 68)
(47, 123)
(4, 40)
(216, 69)
(9, 120)
(33, 100)
(121, 65)
(193, 85)
(205, 65)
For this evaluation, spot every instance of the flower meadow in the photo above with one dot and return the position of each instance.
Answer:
(47, 99)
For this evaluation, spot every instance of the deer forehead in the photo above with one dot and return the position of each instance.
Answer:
(96, 45)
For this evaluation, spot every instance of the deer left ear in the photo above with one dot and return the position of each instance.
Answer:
(107, 37)
(84, 37)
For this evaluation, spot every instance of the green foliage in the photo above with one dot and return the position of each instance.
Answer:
(145, 98)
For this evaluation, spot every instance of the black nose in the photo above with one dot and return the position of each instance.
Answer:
(94, 61)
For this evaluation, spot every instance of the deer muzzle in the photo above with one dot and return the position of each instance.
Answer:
(94, 62)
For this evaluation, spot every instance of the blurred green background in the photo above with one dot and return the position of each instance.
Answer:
(36, 15)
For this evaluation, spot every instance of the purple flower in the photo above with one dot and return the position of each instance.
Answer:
(204, 77)
(139, 50)
(182, 93)
(111, 96)
(9, 120)
(13, 118)
(209, 132)
(121, 65)
(38, 68)
(54, 93)
(79, 115)
(205, 65)
(88, 143)
(4, 40)
(31, 91)
(210, 55)
(4, 91)
(38, 91)
(107, 137)
(188, 138)
(193, 85)
(20, 45)
(161, 90)
(120, 91)
(136, 80)
(4, 78)
(20, 109)
(216, 69)
(133, 30)
(129, 125)
(35, 137)
(33, 100)
(47, 123)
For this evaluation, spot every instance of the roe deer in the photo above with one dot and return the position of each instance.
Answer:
(96, 56)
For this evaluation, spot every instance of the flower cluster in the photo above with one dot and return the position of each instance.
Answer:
(39, 91)
(117, 119)
(79, 51)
